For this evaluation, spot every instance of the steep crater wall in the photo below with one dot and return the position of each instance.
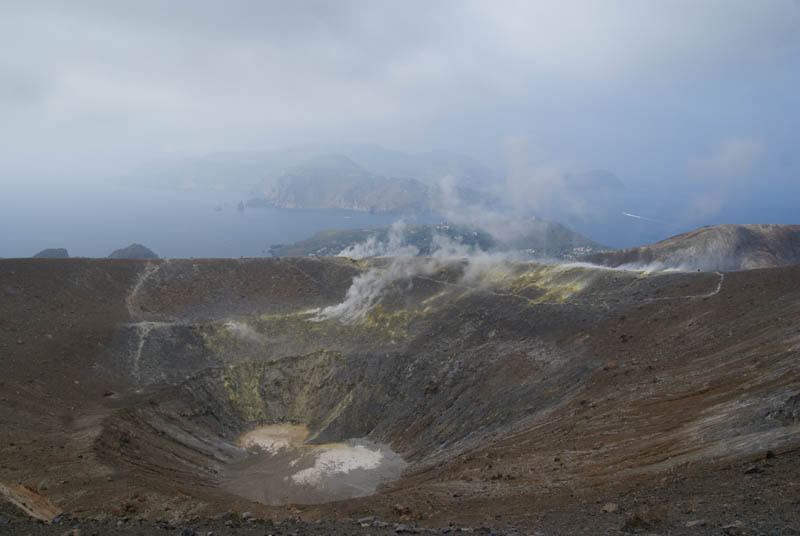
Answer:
(434, 369)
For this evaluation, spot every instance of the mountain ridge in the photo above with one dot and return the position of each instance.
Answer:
(337, 182)
(715, 247)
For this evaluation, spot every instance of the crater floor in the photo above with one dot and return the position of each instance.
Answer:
(282, 470)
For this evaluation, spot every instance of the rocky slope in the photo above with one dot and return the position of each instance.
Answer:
(720, 247)
(523, 396)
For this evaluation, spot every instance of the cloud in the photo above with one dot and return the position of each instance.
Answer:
(722, 176)
(598, 41)
(731, 158)
(94, 87)
(705, 206)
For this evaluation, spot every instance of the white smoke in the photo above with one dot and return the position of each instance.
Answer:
(533, 184)
(403, 265)
(244, 331)
(394, 245)
(367, 288)
(443, 247)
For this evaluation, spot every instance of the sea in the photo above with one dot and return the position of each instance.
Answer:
(94, 221)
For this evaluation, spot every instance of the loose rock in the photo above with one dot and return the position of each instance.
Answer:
(401, 510)
(609, 508)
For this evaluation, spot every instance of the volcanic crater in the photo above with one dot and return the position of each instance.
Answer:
(470, 391)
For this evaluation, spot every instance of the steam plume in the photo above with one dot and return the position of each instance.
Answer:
(368, 288)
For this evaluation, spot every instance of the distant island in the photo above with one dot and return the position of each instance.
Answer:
(246, 170)
(531, 239)
(52, 253)
(357, 177)
(134, 251)
(336, 182)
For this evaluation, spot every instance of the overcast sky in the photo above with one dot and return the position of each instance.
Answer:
(698, 96)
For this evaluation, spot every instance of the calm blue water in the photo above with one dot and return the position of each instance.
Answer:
(94, 222)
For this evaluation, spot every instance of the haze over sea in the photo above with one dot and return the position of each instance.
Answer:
(94, 221)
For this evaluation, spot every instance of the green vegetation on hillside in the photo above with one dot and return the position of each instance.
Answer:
(529, 239)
